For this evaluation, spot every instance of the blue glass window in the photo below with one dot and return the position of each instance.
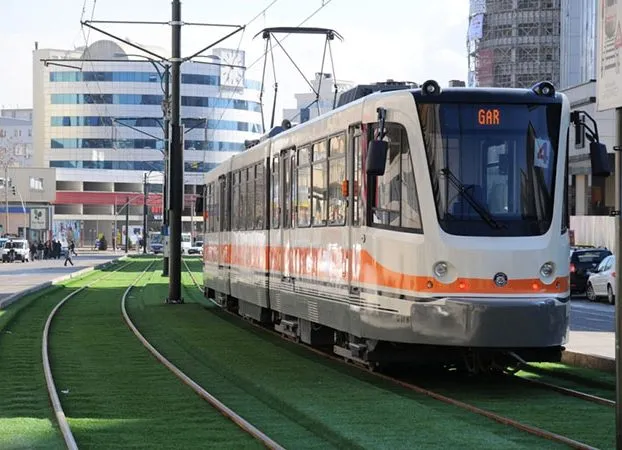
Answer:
(152, 122)
(130, 165)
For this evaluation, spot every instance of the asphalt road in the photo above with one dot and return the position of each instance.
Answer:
(17, 276)
(588, 316)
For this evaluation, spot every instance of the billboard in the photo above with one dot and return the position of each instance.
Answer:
(609, 47)
(39, 218)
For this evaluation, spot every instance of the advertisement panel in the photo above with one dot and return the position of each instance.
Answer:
(608, 73)
(38, 218)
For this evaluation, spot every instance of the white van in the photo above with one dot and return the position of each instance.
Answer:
(186, 243)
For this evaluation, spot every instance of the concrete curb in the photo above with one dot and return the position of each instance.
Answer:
(589, 361)
(39, 287)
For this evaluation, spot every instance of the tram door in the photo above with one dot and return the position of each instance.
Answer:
(286, 159)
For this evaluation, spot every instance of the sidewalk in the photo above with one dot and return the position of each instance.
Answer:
(18, 279)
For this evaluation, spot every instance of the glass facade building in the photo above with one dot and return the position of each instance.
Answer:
(577, 42)
(100, 124)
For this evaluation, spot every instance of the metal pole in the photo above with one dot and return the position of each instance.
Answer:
(6, 197)
(127, 224)
(176, 162)
(165, 183)
(145, 215)
(618, 296)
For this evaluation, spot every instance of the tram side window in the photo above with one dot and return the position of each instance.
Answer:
(336, 175)
(396, 202)
(225, 206)
(236, 201)
(275, 210)
(304, 188)
(260, 196)
(215, 217)
(210, 207)
(356, 144)
(320, 180)
(250, 198)
(287, 193)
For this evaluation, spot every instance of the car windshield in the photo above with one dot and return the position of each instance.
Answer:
(492, 166)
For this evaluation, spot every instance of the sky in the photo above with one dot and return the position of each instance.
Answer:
(406, 40)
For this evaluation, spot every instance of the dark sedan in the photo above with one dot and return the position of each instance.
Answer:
(582, 262)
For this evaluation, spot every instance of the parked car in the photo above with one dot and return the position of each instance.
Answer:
(602, 281)
(582, 261)
(19, 248)
(196, 249)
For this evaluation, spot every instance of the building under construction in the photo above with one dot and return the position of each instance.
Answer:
(513, 43)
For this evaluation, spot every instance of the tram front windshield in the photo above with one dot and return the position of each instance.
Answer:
(492, 166)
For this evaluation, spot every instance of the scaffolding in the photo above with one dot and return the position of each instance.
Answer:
(513, 43)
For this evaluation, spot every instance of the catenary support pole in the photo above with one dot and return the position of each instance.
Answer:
(176, 162)
(167, 153)
(127, 224)
(618, 293)
(145, 214)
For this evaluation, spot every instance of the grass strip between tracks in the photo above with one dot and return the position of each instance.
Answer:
(115, 394)
(299, 399)
(26, 417)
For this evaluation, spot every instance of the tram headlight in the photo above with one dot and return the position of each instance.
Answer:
(547, 269)
(440, 269)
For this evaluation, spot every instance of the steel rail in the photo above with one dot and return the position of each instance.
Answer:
(567, 391)
(539, 432)
(47, 370)
(204, 394)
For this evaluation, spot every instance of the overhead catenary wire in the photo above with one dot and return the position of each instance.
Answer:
(309, 17)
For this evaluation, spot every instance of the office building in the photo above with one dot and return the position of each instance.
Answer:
(100, 124)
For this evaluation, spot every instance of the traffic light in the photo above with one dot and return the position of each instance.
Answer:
(13, 190)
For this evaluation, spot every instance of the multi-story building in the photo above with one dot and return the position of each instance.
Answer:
(513, 43)
(15, 142)
(26, 196)
(577, 43)
(100, 125)
(17, 113)
(306, 107)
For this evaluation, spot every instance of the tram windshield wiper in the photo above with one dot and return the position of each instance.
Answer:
(476, 205)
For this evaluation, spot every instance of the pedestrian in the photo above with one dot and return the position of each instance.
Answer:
(68, 258)
(72, 249)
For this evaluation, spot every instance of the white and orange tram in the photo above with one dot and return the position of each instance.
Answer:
(407, 225)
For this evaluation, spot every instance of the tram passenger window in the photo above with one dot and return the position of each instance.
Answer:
(210, 207)
(260, 195)
(287, 194)
(243, 199)
(206, 207)
(396, 202)
(357, 176)
(304, 199)
(274, 208)
(225, 207)
(236, 202)
(336, 175)
(215, 212)
(250, 199)
(319, 180)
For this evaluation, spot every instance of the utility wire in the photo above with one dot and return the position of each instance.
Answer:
(324, 4)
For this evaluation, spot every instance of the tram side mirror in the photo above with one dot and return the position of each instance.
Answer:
(198, 206)
(599, 160)
(376, 157)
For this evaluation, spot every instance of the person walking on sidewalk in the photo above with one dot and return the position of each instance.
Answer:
(68, 258)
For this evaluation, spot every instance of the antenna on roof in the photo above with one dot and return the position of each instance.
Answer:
(269, 34)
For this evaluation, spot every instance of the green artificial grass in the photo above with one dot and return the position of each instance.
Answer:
(26, 418)
(116, 395)
(299, 399)
(580, 376)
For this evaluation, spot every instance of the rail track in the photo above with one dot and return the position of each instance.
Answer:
(533, 430)
(47, 368)
(196, 387)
